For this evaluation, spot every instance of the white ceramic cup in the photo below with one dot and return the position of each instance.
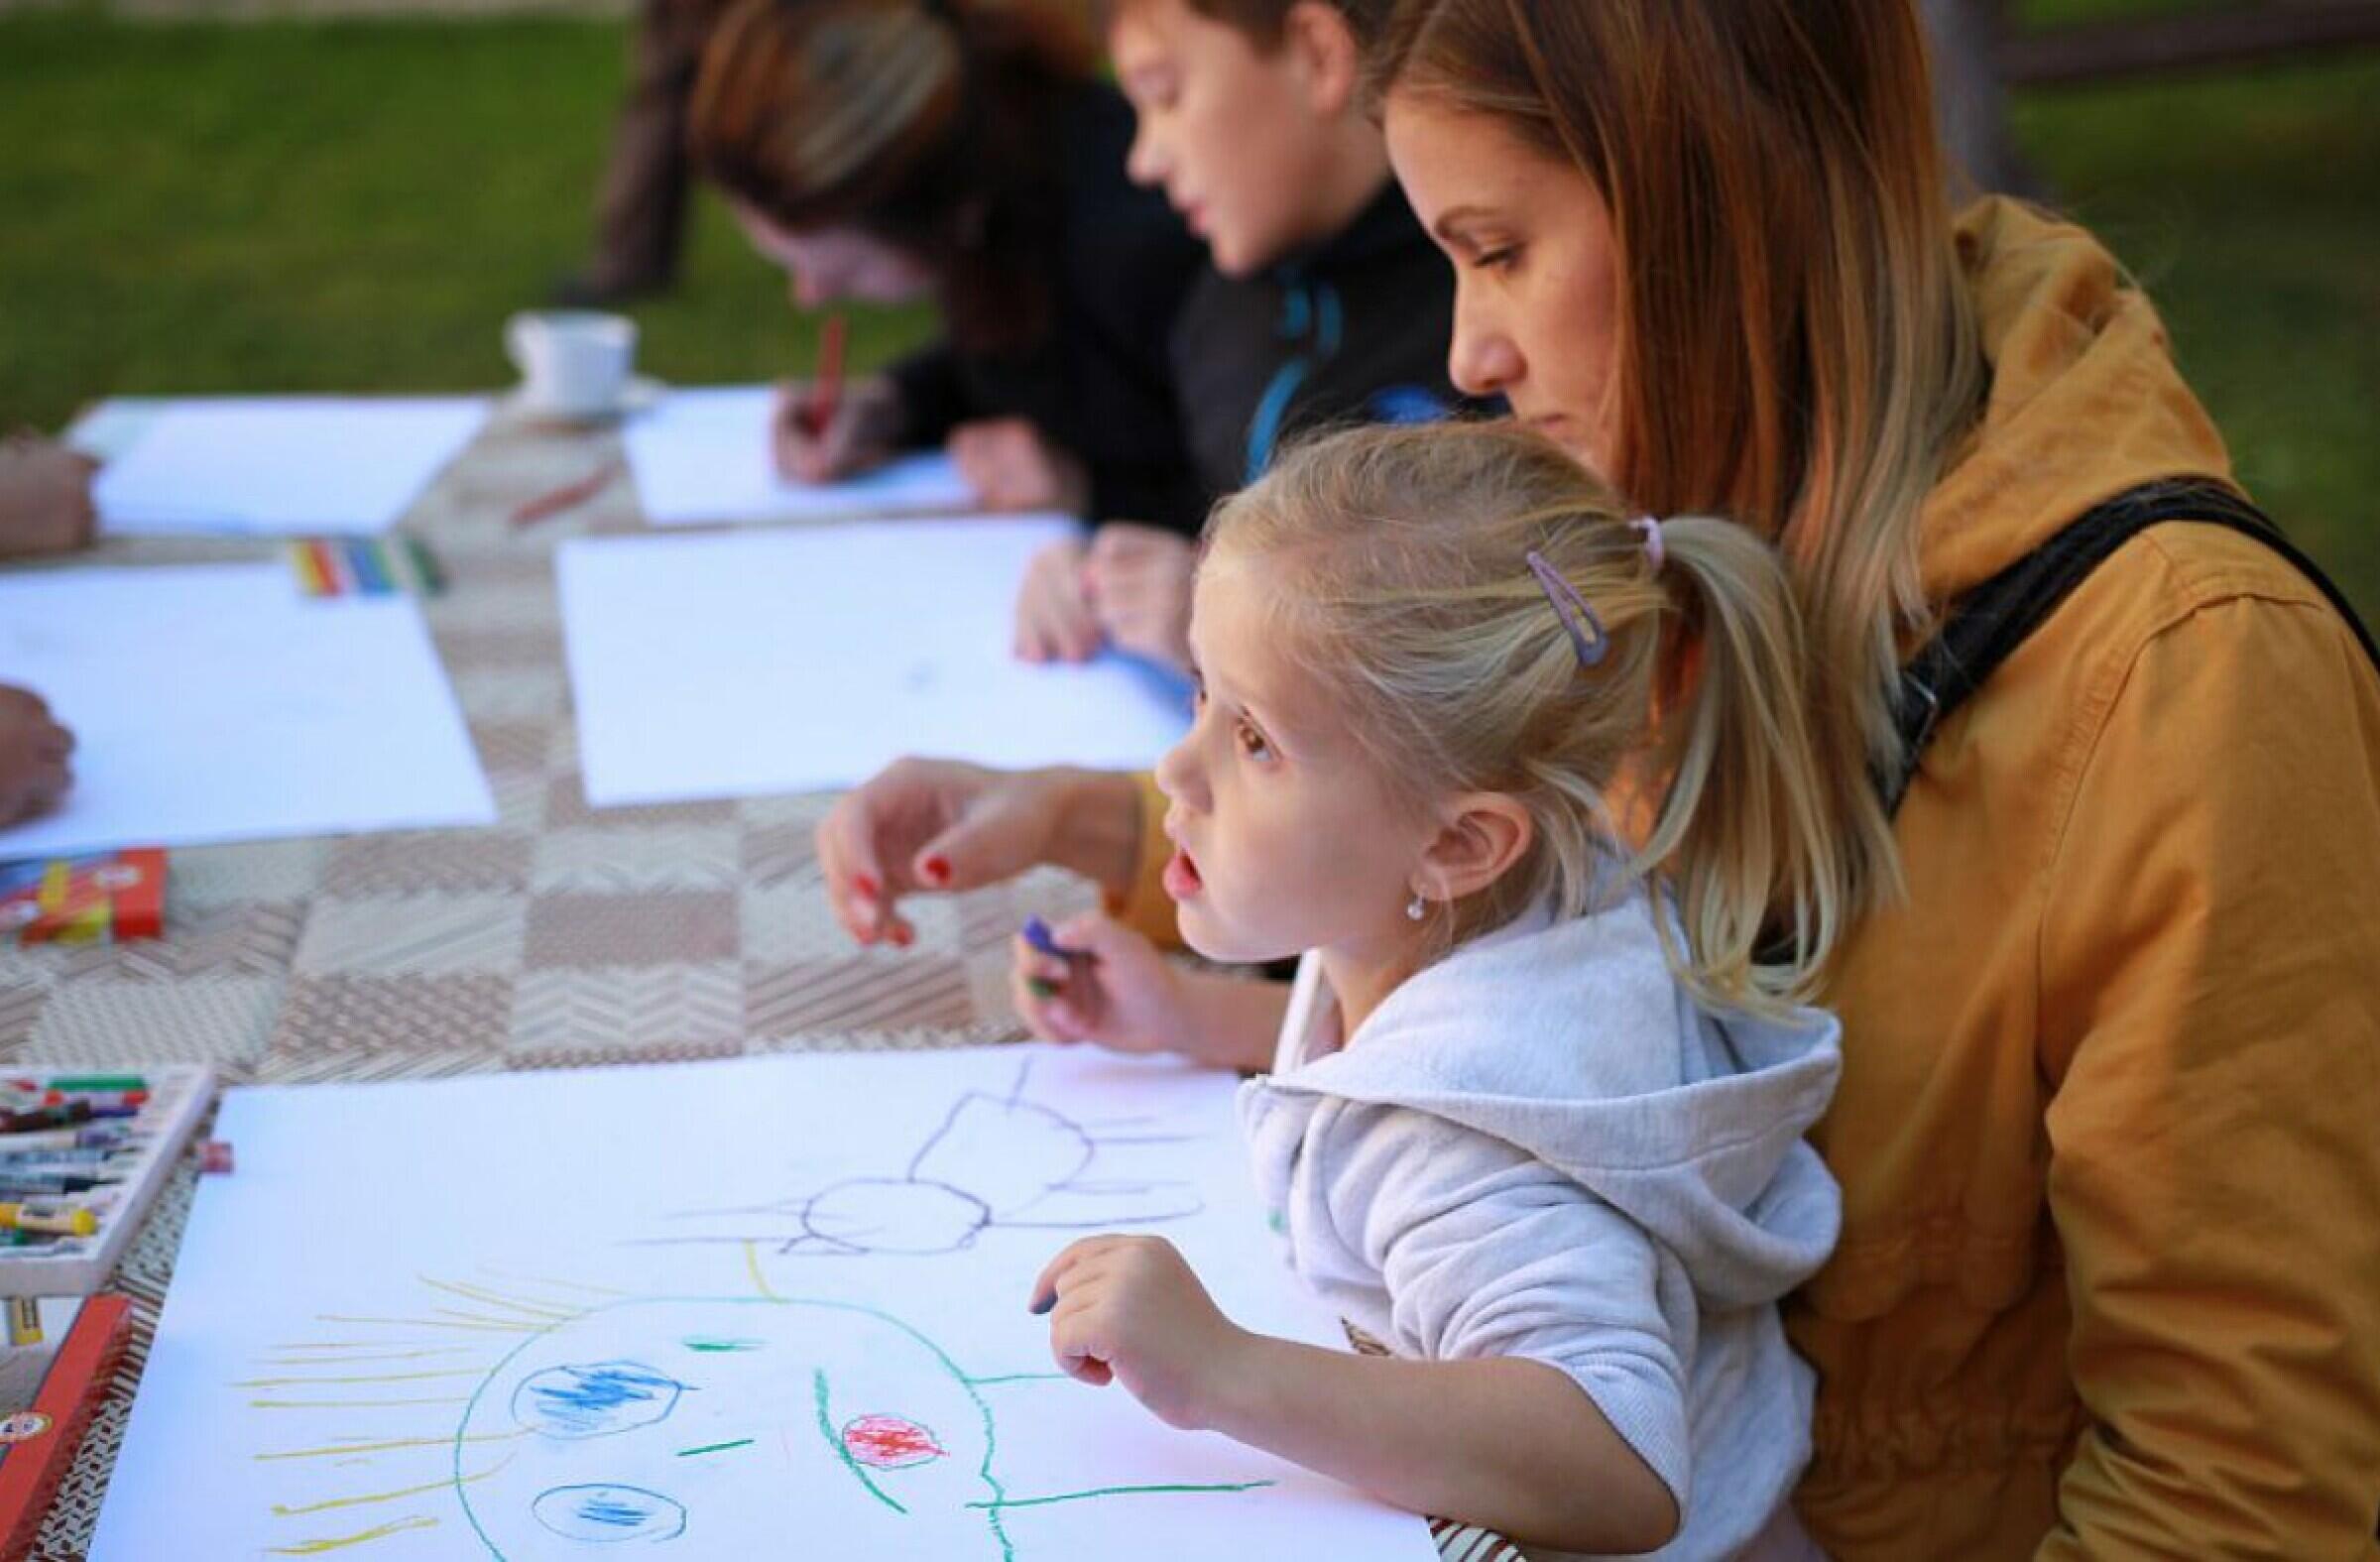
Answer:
(573, 363)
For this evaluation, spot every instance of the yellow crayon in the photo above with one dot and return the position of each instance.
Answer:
(59, 1219)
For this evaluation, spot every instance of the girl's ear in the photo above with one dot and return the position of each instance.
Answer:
(1481, 835)
(1318, 33)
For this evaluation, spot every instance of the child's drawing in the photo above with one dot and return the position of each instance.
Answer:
(722, 1426)
(994, 1160)
(744, 1421)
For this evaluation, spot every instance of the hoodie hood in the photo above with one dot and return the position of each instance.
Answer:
(1573, 1041)
(2084, 401)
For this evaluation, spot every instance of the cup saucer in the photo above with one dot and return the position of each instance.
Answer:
(637, 393)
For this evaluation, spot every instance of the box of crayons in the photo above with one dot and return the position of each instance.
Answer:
(84, 899)
(82, 1158)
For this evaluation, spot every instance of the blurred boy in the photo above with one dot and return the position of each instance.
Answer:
(1325, 300)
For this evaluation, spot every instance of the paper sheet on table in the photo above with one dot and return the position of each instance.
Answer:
(211, 702)
(702, 455)
(281, 465)
(770, 1307)
(746, 663)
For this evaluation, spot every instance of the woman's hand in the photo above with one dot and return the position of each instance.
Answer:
(863, 430)
(944, 825)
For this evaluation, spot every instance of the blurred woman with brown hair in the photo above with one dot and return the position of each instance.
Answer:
(967, 151)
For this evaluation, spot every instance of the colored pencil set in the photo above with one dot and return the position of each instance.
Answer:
(365, 567)
(112, 896)
(81, 1156)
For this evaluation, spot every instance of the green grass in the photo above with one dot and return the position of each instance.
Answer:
(354, 205)
(285, 205)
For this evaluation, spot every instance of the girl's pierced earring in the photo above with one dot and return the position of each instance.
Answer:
(1649, 527)
(1416, 908)
(1586, 630)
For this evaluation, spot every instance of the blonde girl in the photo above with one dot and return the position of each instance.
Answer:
(1534, 1118)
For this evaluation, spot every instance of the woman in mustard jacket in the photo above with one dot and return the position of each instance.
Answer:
(2110, 1124)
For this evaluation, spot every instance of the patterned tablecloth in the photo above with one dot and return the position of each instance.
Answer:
(563, 936)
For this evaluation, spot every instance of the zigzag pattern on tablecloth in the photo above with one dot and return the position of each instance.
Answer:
(625, 1009)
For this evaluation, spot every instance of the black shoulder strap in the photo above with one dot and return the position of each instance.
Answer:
(1995, 618)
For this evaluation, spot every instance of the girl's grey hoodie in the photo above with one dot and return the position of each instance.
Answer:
(1543, 1146)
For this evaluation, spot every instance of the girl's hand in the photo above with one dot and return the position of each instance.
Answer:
(1011, 467)
(1054, 622)
(1128, 1309)
(1117, 990)
(863, 431)
(1138, 581)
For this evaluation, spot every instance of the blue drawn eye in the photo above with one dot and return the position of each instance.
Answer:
(608, 1513)
(594, 1401)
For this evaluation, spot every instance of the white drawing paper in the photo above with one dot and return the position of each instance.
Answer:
(755, 662)
(211, 702)
(279, 465)
(702, 455)
(759, 1308)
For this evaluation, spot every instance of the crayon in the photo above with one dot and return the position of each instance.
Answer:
(87, 1082)
(96, 1134)
(66, 1219)
(67, 1155)
(363, 563)
(39, 1118)
(433, 579)
(101, 1102)
(1038, 934)
(18, 1185)
(818, 414)
(24, 1320)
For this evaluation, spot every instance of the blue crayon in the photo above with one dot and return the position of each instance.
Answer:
(1037, 933)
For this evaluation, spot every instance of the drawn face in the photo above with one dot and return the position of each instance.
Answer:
(731, 1426)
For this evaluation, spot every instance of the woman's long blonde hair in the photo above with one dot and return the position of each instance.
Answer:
(1797, 343)
(1398, 564)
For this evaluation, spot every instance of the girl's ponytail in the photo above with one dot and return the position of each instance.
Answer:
(1767, 848)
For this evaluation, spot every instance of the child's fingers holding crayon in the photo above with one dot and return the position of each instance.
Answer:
(1123, 990)
(1130, 1309)
(1037, 985)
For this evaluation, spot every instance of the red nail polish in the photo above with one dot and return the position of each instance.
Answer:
(937, 870)
(865, 884)
(903, 938)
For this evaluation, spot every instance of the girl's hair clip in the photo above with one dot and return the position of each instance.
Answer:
(1586, 630)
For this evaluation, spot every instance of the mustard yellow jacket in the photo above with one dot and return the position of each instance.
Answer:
(2109, 1130)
